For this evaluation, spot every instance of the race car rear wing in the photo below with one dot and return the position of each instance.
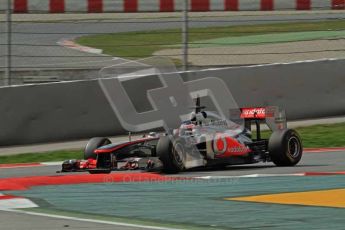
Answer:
(273, 116)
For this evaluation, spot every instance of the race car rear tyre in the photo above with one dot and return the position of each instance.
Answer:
(285, 147)
(93, 144)
(172, 154)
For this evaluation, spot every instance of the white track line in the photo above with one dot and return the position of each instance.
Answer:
(56, 163)
(29, 166)
(249, 176)
(92, 221)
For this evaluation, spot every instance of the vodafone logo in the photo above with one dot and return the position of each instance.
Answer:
(219, 144)
(253, 113)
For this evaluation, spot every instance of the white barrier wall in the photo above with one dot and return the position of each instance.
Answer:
(71, 110)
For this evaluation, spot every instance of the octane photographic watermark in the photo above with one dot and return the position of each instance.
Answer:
(216, 180)
(171, 104)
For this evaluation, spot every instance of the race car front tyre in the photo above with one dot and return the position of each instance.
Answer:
(172, 154)
(93, 144)
(285, 147)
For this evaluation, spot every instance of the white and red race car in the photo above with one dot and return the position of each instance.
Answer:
(205, 140)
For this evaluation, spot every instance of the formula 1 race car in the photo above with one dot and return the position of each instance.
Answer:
(204, 140)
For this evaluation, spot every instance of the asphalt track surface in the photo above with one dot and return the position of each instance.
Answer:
(40, 38)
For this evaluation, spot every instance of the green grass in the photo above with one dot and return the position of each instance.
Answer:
(42, 157)
(320, 136)
(323, 135)
(134, 45)
(316, 136)
(269, 38)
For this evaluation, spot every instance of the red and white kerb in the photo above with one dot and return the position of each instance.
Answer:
(101, 6)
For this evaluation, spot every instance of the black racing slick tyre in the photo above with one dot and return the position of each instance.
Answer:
(172, 154)
(93, 144)
(285, 147)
